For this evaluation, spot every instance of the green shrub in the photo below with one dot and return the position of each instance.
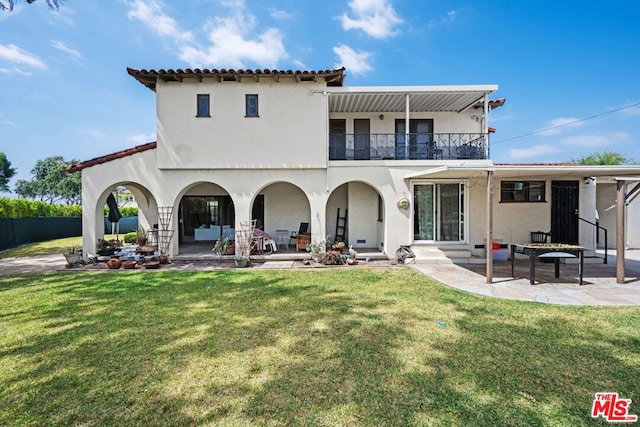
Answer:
(129, 211)
(21, 208)
(130, 237)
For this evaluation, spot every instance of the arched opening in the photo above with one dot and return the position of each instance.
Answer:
(282, 210)
(355, 215)
(206, 213)
(138, 209)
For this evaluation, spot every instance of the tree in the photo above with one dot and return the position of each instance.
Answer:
(606, 158)
(51, 182)
(8, 4)
(6, 172)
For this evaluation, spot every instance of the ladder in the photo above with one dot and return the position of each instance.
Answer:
(341, 226)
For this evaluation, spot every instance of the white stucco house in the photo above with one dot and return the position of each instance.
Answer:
(403, 164)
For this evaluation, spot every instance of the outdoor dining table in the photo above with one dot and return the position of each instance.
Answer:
(553, 251)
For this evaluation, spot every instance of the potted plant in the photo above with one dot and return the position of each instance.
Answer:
(339, 246)
(316, 250)
(221, 248)
(73, 255)
(107, 247)
(141, 236)
(351, 260)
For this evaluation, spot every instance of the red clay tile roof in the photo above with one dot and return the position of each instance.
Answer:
(538, 164)
(493, 103)
(112, 156)
(334, 77)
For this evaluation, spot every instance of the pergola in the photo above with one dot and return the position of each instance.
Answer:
(622, 175)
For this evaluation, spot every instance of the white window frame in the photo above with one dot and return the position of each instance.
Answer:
(464, 214)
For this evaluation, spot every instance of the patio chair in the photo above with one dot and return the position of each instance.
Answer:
(304, 229)
(303, 241)
(540, 236)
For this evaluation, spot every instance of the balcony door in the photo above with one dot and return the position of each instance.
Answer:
(420, 139)
(362, 142)
(337, 139)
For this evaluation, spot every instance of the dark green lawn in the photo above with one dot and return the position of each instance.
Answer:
(330, 347)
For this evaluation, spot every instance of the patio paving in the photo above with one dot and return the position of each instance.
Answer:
(600, 286)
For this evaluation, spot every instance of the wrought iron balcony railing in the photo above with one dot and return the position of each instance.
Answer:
(414, 146)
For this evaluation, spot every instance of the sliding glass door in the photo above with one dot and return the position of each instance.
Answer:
(439, 212)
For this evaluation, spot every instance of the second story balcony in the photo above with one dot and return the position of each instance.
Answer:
(412, 146)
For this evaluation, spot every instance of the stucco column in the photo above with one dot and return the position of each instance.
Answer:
(242, 204)
(92, 218)
(318, 206)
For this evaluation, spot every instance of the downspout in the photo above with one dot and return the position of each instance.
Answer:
(326, 151)
(485, 122)
(406, 126)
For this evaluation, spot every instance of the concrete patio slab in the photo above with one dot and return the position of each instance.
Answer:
(599, 288)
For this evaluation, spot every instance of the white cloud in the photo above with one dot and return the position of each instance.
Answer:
(532, 152)
(447, 19)
(556, 126)
(13, 53)
(142, 138)
(631, 111)
(151, 14)
(355, 62)
(596, 140)
(299, 64)
(280, 14)
(13, 71)
(377, 18)
(232, 46)
(232, 42)
(232, 4)
(66, 49)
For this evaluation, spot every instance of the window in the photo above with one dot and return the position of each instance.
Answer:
(251, 105)
(203, 106)
(522, 191)
(380, 209)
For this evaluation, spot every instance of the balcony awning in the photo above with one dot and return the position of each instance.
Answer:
(421, 98)
(533, 171)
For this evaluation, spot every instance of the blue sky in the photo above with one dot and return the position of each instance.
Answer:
(64, 89)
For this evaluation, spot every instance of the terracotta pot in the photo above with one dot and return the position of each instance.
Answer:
(114, 263)
(129, 264)
(151, 265)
